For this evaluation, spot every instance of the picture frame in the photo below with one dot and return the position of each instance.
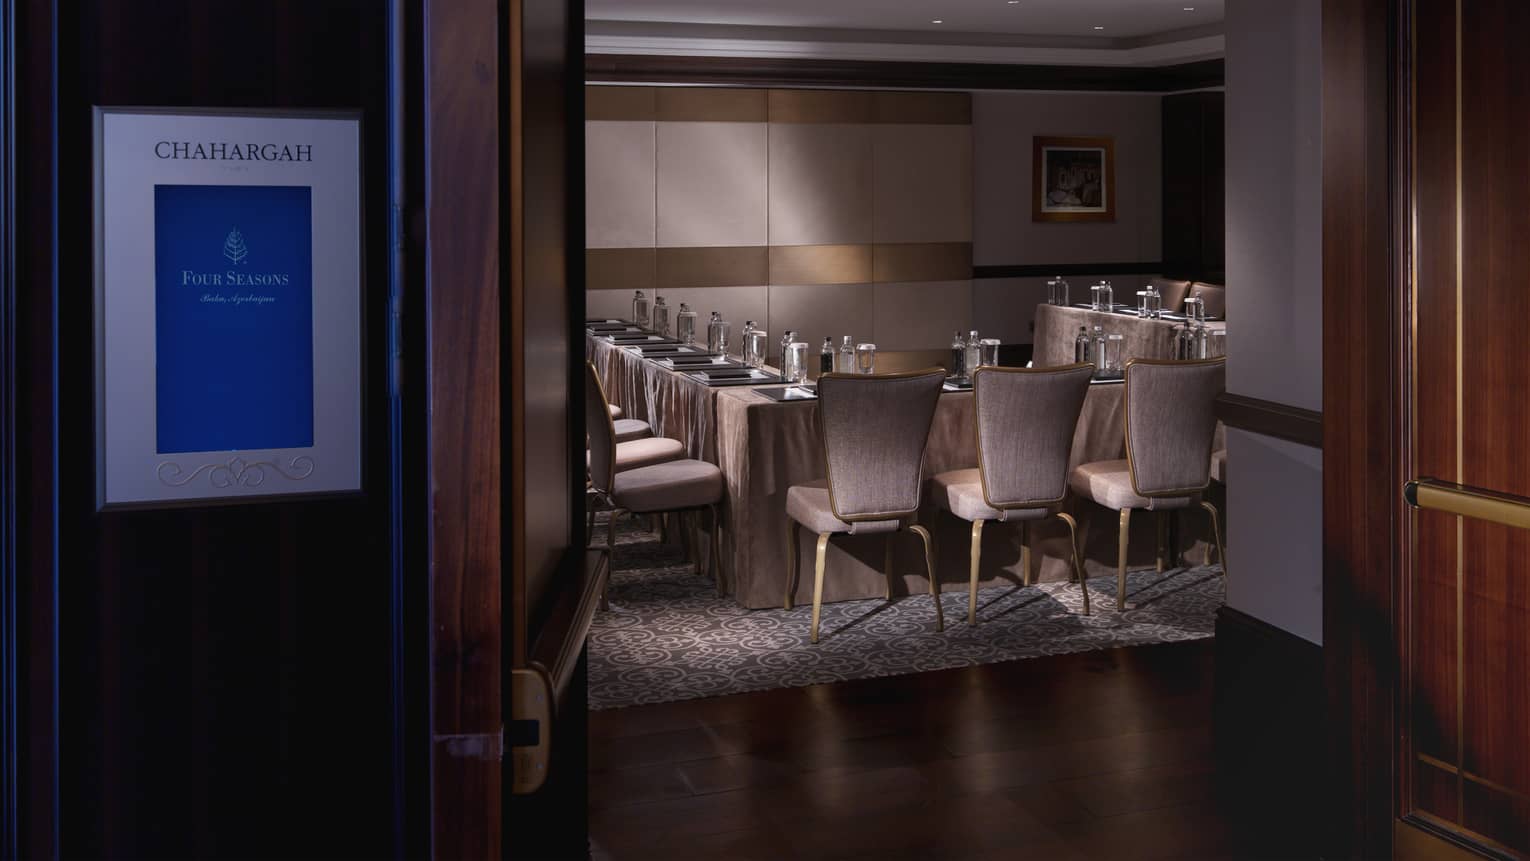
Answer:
(229, 305)
(1073, 179)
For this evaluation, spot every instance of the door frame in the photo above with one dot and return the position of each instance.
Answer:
(1365, 290)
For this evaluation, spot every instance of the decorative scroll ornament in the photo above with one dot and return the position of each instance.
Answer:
(238, 472)
(234, 248)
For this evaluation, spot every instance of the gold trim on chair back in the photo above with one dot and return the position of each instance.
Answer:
(1171, 424)
(601, 429)
(1025, 422)
(874, 429)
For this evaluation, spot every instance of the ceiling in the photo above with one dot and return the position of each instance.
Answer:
(1120, 19)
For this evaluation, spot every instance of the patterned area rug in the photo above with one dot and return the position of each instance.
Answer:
(669, 637)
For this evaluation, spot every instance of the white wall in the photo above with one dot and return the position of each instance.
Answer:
(1275, 277)
(1003, 124)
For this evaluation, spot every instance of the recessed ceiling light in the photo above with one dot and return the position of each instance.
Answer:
(1189, 8)
(1014, 2)
(937, 21)
(1099, 28)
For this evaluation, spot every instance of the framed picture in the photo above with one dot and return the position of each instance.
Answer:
(228, 312)
(1073, 179)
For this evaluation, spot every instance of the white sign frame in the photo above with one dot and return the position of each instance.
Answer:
(137, 149)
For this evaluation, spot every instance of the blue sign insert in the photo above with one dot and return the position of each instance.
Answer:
(233, 317)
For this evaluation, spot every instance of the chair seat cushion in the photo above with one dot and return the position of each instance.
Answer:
(647, 452)
(961, 493)
(670, 486)
(1219, 465)
(1109, 483)
(808, 504)
(616, 411)
(628, 430)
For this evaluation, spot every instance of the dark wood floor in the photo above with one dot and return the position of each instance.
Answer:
(1099, 755)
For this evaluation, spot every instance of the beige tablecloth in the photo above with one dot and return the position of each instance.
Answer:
(1057, 327)
(675, 405)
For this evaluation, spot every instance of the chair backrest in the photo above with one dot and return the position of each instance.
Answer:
(1171, 292)
(1213, 296)
(1025, 424)
(1170, 422)
(874, 431)
(601, 429)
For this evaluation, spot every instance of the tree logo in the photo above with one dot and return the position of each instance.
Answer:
(234, 248)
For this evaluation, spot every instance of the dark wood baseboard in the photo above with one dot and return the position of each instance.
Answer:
(776, 72)
(1270, 418)
(1268, 710)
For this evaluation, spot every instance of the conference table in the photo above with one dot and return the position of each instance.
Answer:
(764, 446)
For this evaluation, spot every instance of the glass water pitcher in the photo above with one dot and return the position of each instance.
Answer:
(640, 308)
(1102, 297)
(866, 358)
(685, 325)
(660, 316)
(1149, 302)
(845, 364)
(718, 330)
(974, 351)
(958, 356)
(1057, 291)
(754, 345)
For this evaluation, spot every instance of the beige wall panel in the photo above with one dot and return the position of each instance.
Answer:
(933, 261)
(922, 315)
(713, 267)
(620, 183)
(820, 184)
(710, 105)
(923, 183)
(634, 104)
(1003, 126)
(712, 184)
(934, 108)
(820, 264)
(619, 268)
(822, 106)
(817, 311)
(737, 304)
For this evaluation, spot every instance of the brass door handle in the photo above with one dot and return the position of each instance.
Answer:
(1473, 502)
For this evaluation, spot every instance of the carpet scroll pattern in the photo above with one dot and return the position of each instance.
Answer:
(669, 637)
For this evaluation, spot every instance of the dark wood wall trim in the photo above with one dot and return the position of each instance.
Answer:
(1268, 717)
(770, 72)
(1271, 418)
(1047, 270)
(1363, 231)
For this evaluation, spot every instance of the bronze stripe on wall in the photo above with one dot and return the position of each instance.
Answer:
(821, 106)
(619, 269)
(749, 266)
(820, 264)
(629, 104)
(710, 105)
(924, 108)
(714, 267)
(922, 261)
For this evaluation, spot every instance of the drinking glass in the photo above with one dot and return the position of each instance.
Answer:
(866, 358)
(1115, 344)
(660, 317)
(717, 336)
(990, 352)
(1218, 342)
(794, 362)
(1195, 310)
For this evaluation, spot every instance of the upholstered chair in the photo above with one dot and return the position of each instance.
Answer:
(1169, 431)
(628, 430)
(1171, 293)
(1219, 465)
(1213, 297)
(874, 429)
(1025, 424)
(674, 486)
(614, 410)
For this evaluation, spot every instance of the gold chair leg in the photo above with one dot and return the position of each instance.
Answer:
(1126, 525)
(1216, 529)
(929, 567)
(976, 563)
(716, 560)
(1158, 527)
(791, 562)
(693, 538)
(823, 548)
(887, 564)
(611, 531)
(1078, 563)
(1027, 577)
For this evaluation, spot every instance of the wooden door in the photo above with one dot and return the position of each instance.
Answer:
(1464, 727)
(1427, 605)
